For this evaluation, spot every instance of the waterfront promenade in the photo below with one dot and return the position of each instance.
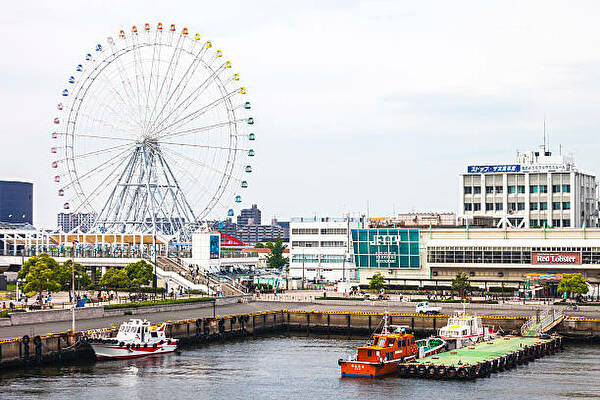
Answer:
(283, 303)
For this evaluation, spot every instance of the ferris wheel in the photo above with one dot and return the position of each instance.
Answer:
(153, 133)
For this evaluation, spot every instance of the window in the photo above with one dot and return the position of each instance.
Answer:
(305, 231)
(468, 207)
(489, 206)
(498, 189)
(566, 223)
(521, 189)
(556, 205)
(533, 223)
(302, 243)
(333, 243)
(477, 189)
(533, 189)
(512, 189)
(468, 190)
(520, 206)
(476, 206)
(512, 206)
(489, 189)
(566, 188)
(543, 188)
(555, 188)
(333, 231)
(556, 223)
(533, 206)
(498, 206)
(566, 205)
(543, 206)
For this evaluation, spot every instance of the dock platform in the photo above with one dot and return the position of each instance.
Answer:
(481, 359)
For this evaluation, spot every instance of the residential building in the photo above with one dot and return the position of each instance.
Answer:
(249, 216)
(67, 222)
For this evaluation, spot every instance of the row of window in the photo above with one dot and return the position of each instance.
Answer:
(323, 231)
(311, 243)
(557, 223)
(518, 189)
(534, 206)
(315, 258)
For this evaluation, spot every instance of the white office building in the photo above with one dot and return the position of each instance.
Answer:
(540, 189)
(320, 249)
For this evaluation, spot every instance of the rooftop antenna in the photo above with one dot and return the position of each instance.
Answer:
(544, 134)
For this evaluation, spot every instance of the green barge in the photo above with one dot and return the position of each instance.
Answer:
(481, 359)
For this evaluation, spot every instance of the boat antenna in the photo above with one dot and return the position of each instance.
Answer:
(385, 321)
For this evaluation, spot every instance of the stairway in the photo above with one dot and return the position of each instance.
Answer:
(546, 321)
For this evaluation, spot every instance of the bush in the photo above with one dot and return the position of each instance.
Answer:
(138, 304)
(565, 303)
(6, 313)
(339, 298)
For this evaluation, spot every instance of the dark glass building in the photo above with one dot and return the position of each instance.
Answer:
(16, 202)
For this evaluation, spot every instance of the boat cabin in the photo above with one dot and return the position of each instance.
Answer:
(462, 325)
(388, 346)
(137, 330)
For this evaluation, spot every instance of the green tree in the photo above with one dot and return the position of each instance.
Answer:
(276, 259)
(461, 283)
(40, 273)
(64, 274)
(573, 284)
(140, 273)
(259, 245)
(115, 279)
(377, 282)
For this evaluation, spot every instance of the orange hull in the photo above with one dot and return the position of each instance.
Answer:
(368, 370)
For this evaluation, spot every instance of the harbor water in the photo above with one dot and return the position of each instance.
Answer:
(294, 368)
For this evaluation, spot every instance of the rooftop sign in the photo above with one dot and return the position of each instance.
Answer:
(490, 169)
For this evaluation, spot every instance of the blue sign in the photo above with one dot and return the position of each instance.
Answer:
(491, 169)
(214, 246)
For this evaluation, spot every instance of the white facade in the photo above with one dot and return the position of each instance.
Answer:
(539, 189)
(320, 249)
(206, 250)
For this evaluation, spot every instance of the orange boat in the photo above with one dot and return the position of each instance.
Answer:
(388, 348)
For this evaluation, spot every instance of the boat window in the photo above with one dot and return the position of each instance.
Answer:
(391, 343)
(369, 353)
(153, 334)
(381, 342)
(412, 340)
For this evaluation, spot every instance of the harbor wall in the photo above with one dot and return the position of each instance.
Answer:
(60, 347)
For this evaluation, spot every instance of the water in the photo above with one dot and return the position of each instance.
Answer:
(294, 368)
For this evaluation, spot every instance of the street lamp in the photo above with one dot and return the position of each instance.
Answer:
(22, 281)
(78, 277)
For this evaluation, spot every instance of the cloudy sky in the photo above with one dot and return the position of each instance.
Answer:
(382, 102)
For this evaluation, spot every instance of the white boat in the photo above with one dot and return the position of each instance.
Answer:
(464, 329)
(136, 338)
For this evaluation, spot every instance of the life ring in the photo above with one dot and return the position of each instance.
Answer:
(441, 371)
(402, 370)
(451, 372)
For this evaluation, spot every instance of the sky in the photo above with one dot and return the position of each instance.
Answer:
(377, 104)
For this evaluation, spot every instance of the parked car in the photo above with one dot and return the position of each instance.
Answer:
(425, 308)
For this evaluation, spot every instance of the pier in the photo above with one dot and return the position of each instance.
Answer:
(31, 350)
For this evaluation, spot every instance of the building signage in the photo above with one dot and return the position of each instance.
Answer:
(384, 239)
(214, 246)
(555, 258)
(493, 169)
(543, 168)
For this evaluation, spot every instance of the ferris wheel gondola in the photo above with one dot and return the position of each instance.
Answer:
(152, 133)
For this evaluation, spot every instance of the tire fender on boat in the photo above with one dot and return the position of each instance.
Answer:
(441, 371)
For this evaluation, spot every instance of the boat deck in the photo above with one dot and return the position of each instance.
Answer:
(484, 351)
(481, 359)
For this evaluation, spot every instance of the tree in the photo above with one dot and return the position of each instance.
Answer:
(115, 279)
(461, 283)
(276, 258)
(259, 245)
(573, 284)
(64, 274)
(377, 282)
(40, 273)
(140, 273)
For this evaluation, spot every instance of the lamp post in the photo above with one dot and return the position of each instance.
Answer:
(78, 277)
(302, 268)
(74, 301)
(22, 282)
